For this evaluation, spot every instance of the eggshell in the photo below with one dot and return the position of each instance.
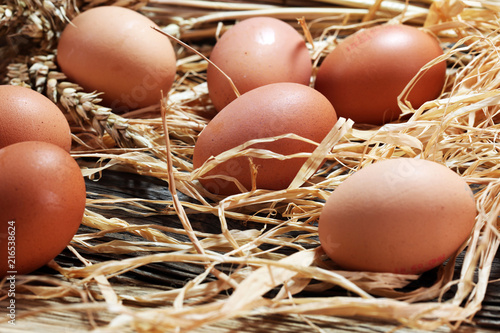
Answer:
(363, 76)
(27, 115)
(267, 111)
(399, 215)
(255, 52)
(114, 50)
(42, 200)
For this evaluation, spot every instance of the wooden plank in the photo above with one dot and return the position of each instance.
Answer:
(163, 276)
(145, 187)
(62, 322)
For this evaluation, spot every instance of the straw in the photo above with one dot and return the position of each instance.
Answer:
(277, 251)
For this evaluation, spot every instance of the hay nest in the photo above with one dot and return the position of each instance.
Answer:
(459, 130)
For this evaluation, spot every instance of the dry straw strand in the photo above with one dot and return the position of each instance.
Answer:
(459, 130)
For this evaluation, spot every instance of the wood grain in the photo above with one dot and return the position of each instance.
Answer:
(163, 276)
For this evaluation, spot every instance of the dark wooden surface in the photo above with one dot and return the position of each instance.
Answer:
(166, 275)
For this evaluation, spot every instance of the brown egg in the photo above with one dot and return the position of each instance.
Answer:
(27, 115)
(267, 111)
(363, 76)
(255, 52)
(114, 50)
(399, 215)
(42, 200)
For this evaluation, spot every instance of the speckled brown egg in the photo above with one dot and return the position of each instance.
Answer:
(267, 111)
(255, 52)
(114, 50)
(42, 201)
(399, 215)
(27, 115)
(364, 75)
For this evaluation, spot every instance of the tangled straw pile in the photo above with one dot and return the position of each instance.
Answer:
(459, 130)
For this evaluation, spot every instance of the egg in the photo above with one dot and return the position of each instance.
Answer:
(42, 201)
(115, 50)
(30, 116)
(399, 215)
(255, 52)
(267, 111)
(364, 75)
